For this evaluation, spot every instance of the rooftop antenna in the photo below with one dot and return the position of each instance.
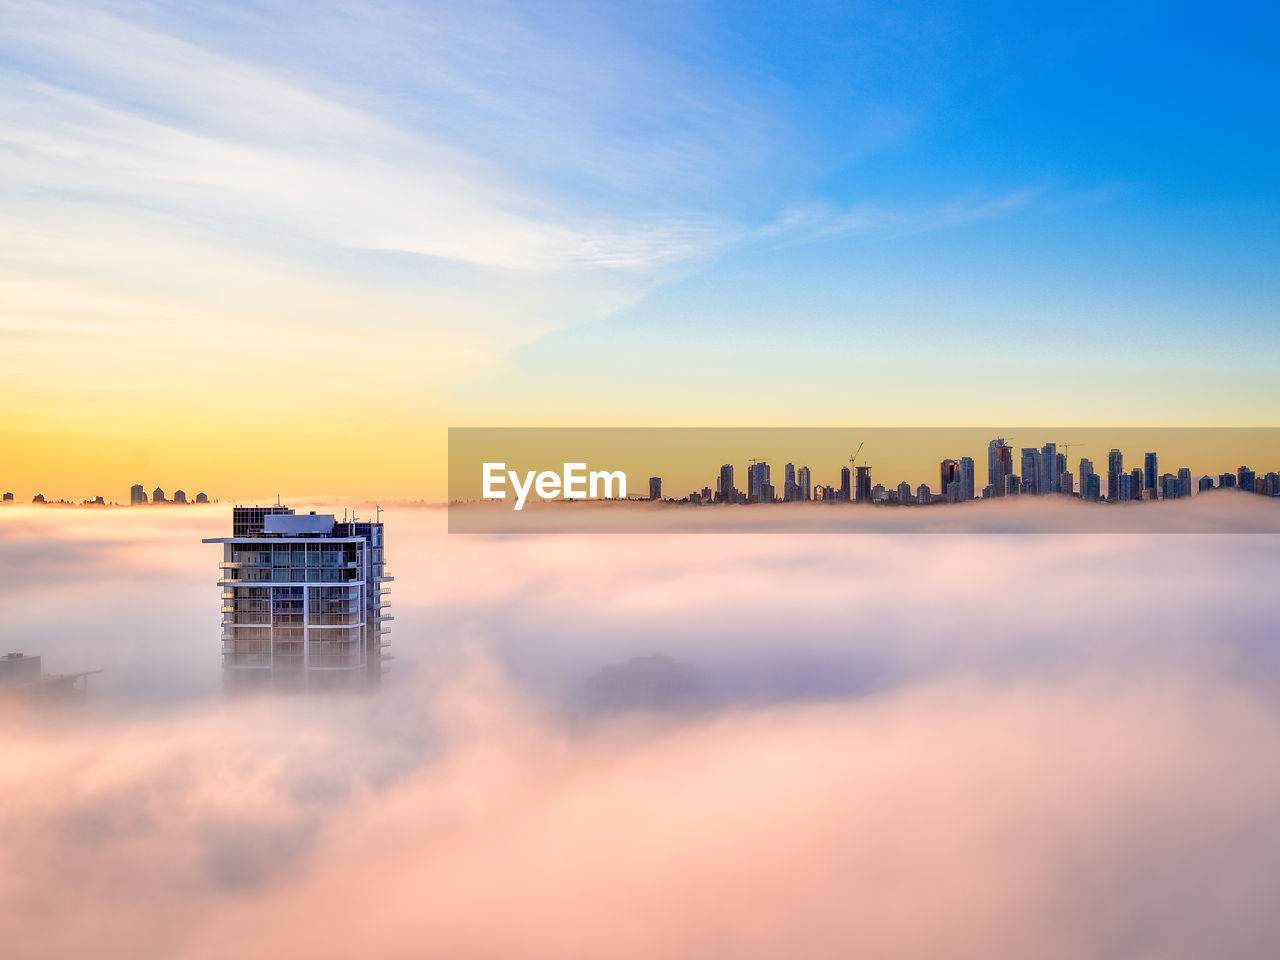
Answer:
(377, 518)
(278, 500)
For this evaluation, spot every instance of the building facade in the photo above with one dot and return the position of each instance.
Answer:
(726, 492)
(863, 481)
(304, 599)
(1151, 473)
(999, 465)
(1115, 470)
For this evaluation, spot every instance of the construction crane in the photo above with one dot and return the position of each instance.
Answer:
(855, 454)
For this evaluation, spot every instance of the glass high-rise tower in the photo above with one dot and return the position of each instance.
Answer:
(1115, 469)
(1151, 474)
(304, 599)
(999, 465)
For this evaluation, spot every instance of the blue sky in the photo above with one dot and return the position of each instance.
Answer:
(982, 210)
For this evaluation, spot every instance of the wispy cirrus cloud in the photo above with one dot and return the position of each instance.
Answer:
(105, 111)
(816, 221)
(294, 171)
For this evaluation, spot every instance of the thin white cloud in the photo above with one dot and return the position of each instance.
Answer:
(808, 222)
(135, 116)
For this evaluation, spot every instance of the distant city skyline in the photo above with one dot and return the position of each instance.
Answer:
(956, 483)
(689, 460)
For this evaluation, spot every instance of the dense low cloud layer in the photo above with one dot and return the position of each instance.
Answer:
(1050, 746)
(1217, 512)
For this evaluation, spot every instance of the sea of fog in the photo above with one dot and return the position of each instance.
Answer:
(960, 745)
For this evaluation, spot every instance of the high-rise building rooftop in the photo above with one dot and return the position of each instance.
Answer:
(304, 599)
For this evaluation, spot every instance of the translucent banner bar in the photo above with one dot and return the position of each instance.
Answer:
(864, 480)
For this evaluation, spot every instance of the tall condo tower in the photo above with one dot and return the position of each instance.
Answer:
(304, 599)
(999, 465)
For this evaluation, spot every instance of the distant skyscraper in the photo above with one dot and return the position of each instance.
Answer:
(1089, 490)
(1206, 483)
(725, 490)
(137, 494)
(804, 480)
(1168, 487)
(862, 484)
(1115, 467)
(759, 486)
(1124, 487)
(202, 498)
(1047, 479)
(949, 472)
(966, 479)
(1066, 483)
(1184, 482)
(1226, 480)
(179, 496)
(790, 490)
(1246, 478)
(1031, 472)
(1271, 484)
(924, 494)
(303, 598)
(157, 496)
(1136, 483)
(655, 488)
(8, 498)
(904, 493)
(1151, 472)
(1091, 487)
(845, 491)
(999, 465)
